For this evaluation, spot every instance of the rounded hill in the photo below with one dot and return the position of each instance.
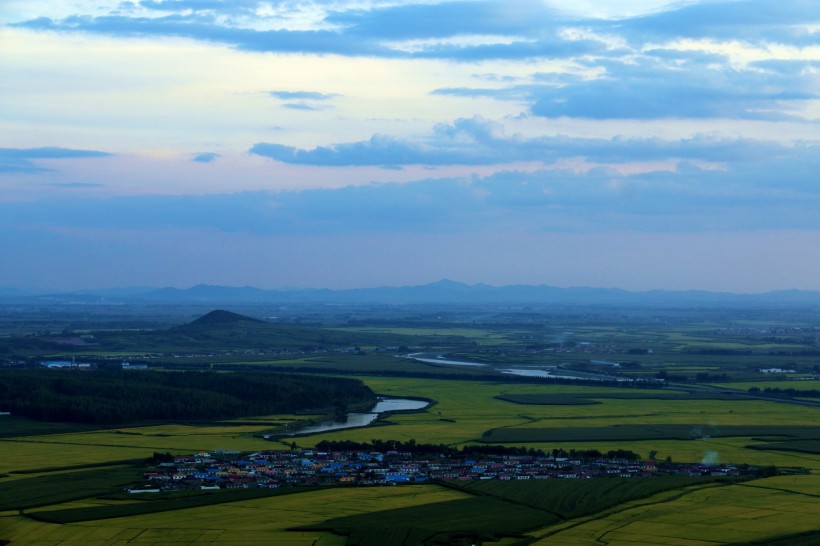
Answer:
(221, 318)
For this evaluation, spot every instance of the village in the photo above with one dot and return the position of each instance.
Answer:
(272, 469)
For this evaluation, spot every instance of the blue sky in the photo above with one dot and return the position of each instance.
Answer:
(333, 143)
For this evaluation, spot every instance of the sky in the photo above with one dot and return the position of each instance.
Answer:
(355, 143)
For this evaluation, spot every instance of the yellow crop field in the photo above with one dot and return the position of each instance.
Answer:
(165, 438)
(199, 430)
(740, 513)
(26, 454)
(262, 521)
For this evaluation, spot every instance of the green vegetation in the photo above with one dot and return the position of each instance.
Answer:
(801, 446)
(499, 509)
(704, 408)
(51, 489)
(108, 397)
(181, 502)
(14, 425)
(584, 399)
(808, 538)
(478, 450)
(564, 399)
(482, 518)
(647, 432)
(574, 498)
(787, 392)
(745, 513)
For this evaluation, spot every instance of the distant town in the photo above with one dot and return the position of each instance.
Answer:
(272, 469)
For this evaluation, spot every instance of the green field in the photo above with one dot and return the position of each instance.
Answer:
(649, 432)
(738, 514)
(56, 488)
(71, 477)
(258, 521)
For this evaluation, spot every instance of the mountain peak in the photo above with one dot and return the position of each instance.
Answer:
(447, 283)
(220, 317)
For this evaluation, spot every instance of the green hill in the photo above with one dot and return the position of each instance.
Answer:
(221, 330)
(221, 319)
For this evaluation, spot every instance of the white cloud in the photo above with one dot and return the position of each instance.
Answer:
(709, 111)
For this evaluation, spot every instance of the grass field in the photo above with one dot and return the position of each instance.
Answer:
(573, 498)
(743, 513)
(463, 412)
(24, 454)
(46, 490)
(439, 523)
(797, 385)
(259, 521)
(101, 446)
(650, 432)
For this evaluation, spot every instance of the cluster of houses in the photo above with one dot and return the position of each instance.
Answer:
(271, 469)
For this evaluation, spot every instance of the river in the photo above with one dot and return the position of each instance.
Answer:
(355, 420)
(546, 371)
(435, 358)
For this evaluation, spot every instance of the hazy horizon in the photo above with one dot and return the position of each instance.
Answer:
(144, 289)
(637, 145)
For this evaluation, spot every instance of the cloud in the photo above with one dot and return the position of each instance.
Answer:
(303, 106)
(654, 90)
(379, 150)
(302, 95)
(445, 19)
(478, 141)
(484, 29)
(74, 185)
(205, 157)
(764, 192)
(665, 84)
(49, 153)
(786, 21)
(232, 6)
(459, 30)
(789, 68)
(206, 28)
(19, 160)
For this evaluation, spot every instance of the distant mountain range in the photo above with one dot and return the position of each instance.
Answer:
(441, 292)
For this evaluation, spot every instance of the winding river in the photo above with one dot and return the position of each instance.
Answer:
(545, 371)
(355, 420)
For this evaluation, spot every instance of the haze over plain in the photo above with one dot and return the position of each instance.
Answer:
(642, 145)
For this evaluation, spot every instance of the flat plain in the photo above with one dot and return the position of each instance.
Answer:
(684, 418)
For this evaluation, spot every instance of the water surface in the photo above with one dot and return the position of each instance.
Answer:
(355, 420)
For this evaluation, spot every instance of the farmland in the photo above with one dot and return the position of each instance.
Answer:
(675, 388)
(737, 514)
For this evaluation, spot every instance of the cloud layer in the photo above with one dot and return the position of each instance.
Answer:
(179, 128)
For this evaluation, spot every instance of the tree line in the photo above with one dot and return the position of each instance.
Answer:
(119, 397)
(477, 450)
(789, 393)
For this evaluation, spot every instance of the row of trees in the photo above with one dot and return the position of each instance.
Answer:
(789, 393)
(384, 446)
